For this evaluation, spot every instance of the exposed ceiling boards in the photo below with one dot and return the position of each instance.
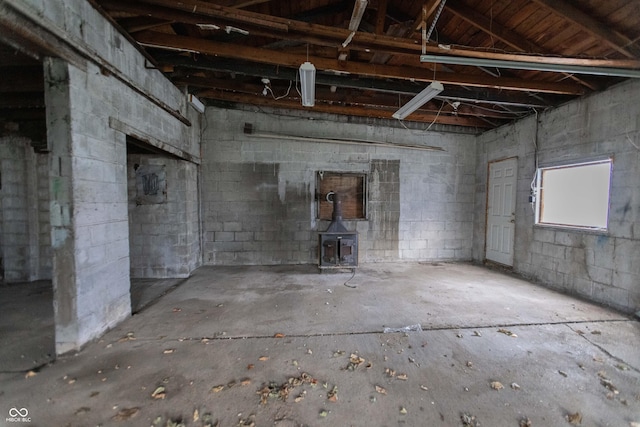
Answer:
(368, 53)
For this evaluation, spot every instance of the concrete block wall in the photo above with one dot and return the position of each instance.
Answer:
(603, 267)
(164, 237)
(258, 194)
(88, 179)
(24, 225)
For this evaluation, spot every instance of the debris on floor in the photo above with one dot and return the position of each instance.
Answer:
(515, 386)
(354, 362)
(507, 333)
(159, 393)
(496, 385)
(128, 337)
(410, 328)
(574, 419)
(281, 391)
(525, 422)
(381, 390)
(126, 413)
(468, 420)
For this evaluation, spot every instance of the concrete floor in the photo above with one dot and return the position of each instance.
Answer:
(211, 345)
(27, 328)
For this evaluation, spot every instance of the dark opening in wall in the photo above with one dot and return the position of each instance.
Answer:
(352, 190)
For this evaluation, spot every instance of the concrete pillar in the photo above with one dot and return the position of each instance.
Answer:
(89, 226)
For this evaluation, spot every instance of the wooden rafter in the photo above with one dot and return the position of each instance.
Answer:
(182, 65)
(358, 110)
(303, 32)
(504, 34)
(416, 72)
(591, 25)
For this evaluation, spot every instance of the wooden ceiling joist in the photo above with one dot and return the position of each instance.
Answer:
(232, 66)
(594, 27)
(346, 110)
(417, 73)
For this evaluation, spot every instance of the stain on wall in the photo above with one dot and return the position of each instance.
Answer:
(384, 208)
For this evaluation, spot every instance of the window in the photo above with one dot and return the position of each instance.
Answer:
(352, 190)
(574, 195)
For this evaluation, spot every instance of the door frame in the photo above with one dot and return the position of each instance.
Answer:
(486, 210)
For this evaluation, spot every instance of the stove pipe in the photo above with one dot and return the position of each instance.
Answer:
(336, 225)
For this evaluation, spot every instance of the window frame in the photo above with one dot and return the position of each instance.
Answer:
(320, 198)
(539, 193)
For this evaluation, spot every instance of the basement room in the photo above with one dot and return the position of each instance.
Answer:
(341, 213)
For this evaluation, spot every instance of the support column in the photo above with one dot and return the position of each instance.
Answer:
(88, 208)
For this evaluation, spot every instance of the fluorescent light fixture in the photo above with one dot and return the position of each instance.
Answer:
(532, 66)
(356, 16)
(196, 103)
(308, 84)
(419, 100)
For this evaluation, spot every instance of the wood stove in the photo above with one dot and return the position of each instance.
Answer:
(337, 246)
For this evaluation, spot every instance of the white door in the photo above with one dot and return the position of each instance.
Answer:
(501, 211)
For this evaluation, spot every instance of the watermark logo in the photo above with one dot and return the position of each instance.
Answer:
(18, 415)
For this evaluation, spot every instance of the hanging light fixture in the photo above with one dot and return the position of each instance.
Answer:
(419, 100)
(308, 84)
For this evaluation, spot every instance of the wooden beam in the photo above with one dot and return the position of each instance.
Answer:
(186, 65)
(415, 72)
(303, 32)
(359, 111)
(141, 23)
(324, 95)
(504, 34)
(381, 16)
(239, 4)
(498, 31)
(591, 25)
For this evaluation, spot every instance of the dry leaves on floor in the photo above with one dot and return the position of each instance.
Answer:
(128, 337)
(381, 390)
(574, 419)
(126, 413)
(496, 385)
(263, 358)
(354, 362)
(525, 422)
(159, 393)
(30, 374)
(281, 391)
(468, 420)
(217, 389)
(507, 333)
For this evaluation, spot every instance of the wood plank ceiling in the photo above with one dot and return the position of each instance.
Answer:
(235, 53)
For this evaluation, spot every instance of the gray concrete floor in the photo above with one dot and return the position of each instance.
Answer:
(27, 336)
(212, 346)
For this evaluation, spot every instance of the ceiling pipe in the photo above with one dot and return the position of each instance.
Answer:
(521, 65)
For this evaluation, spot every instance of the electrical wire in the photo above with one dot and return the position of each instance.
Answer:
(279, 97)
(428, 127)
(347, 282)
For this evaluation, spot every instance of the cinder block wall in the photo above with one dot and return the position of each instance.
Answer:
(25, 233)
(601, 267)
(258, 195)
(89, 109)
(163, 237)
